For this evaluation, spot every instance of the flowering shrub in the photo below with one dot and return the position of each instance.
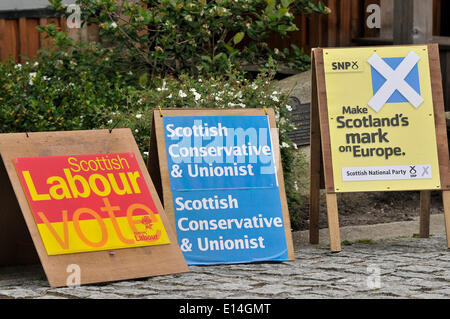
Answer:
(63, 90)
(219, 92)
(81, 90)
(199, 36)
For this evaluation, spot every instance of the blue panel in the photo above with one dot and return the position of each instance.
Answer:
(225, 191)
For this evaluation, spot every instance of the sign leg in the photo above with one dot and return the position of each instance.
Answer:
(425, 199)
(446, 200)
(314, 206)
(333, 223)
(315, 168)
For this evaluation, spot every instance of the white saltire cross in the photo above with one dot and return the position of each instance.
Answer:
(395, 80)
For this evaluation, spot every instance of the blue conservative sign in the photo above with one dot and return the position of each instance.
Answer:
(225, 190)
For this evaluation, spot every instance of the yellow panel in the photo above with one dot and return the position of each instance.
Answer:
(392, 149)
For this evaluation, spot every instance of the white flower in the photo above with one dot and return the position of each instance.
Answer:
(32, 77)
(295, 146)
(242, 105)
(169, 96)
(284, 145)
(138, 116)
(188, 18)
(288, 107)
(275, 99)
(113, 25)
(18, 66)
(254, 86)
(163, 88)
(145, 153)
(218, 98)
(110, 122)
(36, 64)
(197, 96)
(72, 64)
(181, 93)
(136, 130)
(140, 101)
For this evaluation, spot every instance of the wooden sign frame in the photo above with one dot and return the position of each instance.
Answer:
(160, 173)
(98, 266)
(321, 170)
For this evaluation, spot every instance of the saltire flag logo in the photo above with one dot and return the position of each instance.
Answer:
(395, 80)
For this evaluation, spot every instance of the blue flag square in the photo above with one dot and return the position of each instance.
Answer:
(412, 79)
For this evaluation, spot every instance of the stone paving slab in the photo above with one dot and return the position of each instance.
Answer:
(403, 267)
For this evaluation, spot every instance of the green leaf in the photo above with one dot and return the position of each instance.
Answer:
(228, 47)
(143, 80)
(283, 11)
(219, 56)
(292, 27)
(206, 58)
(270, 6)
(238, 37)
(285, 3)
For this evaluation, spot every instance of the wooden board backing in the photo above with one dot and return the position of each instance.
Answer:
(100, 266)
(16, 245)
(160, 156)
(323, 120)
(439, 116)
(320, 125)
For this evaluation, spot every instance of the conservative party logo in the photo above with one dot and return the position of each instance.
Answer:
(395, 80)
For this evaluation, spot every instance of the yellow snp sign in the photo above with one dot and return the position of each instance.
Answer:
(381, 119)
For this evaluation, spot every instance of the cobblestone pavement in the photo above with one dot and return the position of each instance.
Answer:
(407, 268)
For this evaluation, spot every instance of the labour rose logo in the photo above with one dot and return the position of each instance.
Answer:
(146, 220)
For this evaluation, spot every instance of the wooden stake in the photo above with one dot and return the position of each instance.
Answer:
(425, 199)
(333, 223)
(315, 162)
(446, 200)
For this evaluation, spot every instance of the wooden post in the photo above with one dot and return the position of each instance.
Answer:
(315, 162)
(413, 21)
(446, 200)
(445, 67)
(333, 223)
(425, 200)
